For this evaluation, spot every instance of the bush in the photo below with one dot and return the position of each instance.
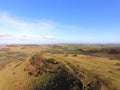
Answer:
(74, 55)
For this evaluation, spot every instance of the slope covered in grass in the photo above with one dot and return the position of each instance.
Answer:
(53, 75)
(91, 69)
(59, 67)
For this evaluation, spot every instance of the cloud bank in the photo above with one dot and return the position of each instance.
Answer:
(14, 30)
(19, 31)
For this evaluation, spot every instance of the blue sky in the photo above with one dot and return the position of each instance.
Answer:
(59, 21)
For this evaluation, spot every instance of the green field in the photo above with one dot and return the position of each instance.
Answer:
(60, 67)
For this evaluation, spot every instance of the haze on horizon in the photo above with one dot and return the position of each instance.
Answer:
(59, 21)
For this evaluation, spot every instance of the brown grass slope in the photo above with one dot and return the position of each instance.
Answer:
(58, 77)
(63, 67)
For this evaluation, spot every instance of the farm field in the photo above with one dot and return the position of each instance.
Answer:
(60, 67)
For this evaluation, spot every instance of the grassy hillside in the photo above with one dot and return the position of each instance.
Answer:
(60, 67)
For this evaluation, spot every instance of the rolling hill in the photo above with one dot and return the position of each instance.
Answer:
(59, 67)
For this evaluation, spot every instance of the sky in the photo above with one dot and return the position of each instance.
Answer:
(59, 21)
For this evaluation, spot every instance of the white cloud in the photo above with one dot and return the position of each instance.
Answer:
(25, 39)
(16, 30)
(49, 37)
(22, 25)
